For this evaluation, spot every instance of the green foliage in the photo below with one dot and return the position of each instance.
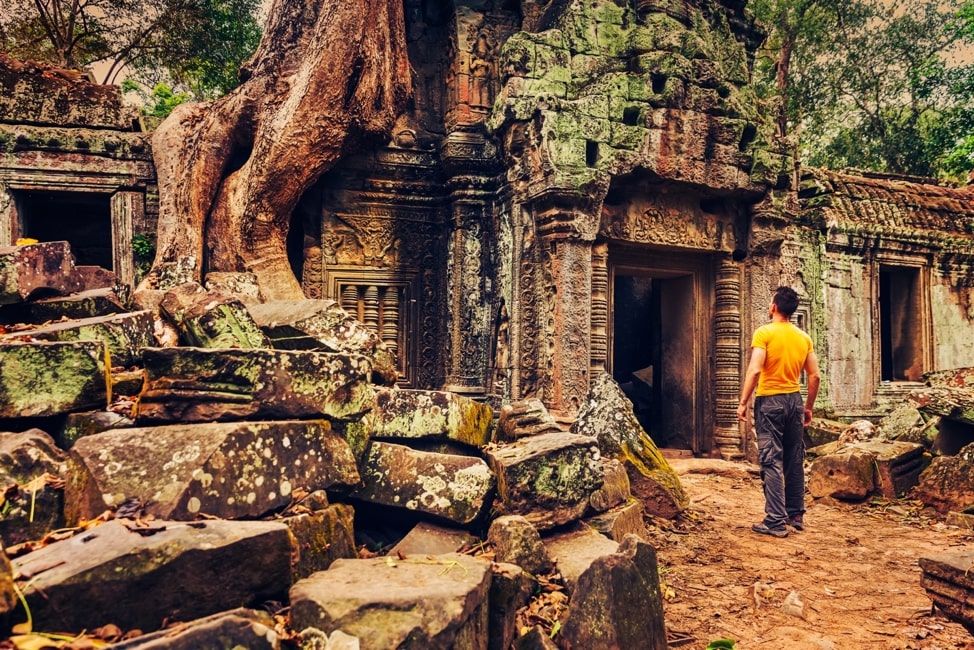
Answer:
(194, 45)
(874, 84)
(144, 253)
(161, 101)
(721, 644)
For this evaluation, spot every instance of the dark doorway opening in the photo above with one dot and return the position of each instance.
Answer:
(82, 219)
(653, 355)
(900, 323)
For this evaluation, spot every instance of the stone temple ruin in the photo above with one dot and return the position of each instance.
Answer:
(550, 271)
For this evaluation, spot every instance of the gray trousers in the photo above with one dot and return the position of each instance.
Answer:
(781, 453)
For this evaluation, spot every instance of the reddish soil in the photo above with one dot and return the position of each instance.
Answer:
(854, 567)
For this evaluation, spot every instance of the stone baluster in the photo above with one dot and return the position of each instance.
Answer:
(727, 345)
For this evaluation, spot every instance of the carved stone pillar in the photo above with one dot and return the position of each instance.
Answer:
(127, 208)
(727, 346)
(469, 160)
(8, 216)
(600, 309)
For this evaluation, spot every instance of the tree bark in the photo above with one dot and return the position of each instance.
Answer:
(327, 75)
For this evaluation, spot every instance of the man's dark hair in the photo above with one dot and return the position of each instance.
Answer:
(786, 300)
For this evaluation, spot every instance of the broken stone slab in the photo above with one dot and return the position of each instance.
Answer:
(615, 488)
(902, 423)
(858, 431)
(535, 639)
(127, 382)
(527, 417)
(608, 416)
(423, 414)
(821, 431)
(36, 270)
(237, 628)
(324, 325)
(429, 539)
(112, 573)
(948, 483)
(87, 304)
(206, 385)
(946, 577)
(124, 334)
(953, 378)
(953, 403)
(79, 425)
(848, 474)
(43, 379)
(94, 277)
(548, 478)
(510, 589)
(621, 521)
(32, 506)
(211, 319)
(454, 488)
(962, 520)
(437, 602)
(517, 541)
(617, 602)
(898, 465)
(575, 549)
(322, 537)
(229, 470)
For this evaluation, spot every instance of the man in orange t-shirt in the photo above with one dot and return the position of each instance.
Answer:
(779, 353)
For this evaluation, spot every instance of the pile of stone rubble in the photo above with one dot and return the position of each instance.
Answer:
(198, 458)
(924, 449)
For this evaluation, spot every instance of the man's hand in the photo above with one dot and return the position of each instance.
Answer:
(742, 412)
(808, 417)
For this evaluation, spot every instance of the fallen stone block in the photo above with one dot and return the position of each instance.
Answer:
(952, 378)
(324, 325)
(237, 628)
(211, 319)
(548, 478)
(439, 602)
(947, 578)
(517, 541)
(124, 334)
(94, 277)
(952, 403)
(608, 416)
(898, 465)
(575, 549)
(37, 270)
(43, 379)
(32, 505)
(141, 577)
(847, 474)
(510, 589)
(8, 595)
(535, 639)
(948, 483)
(454, 488)
(902, 423)
(621, 521)
(87, 304)
(206, 385)
(429, 539)
(962, 520)
(615, 488)
(425, 414)
(228, 470)
(322, 537)
(617, 602)
(79, 425)
(822, 431)
(527, 417)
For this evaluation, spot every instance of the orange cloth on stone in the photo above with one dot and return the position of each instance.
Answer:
(787, 348)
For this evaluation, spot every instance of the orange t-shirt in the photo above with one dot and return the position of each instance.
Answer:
(787, 348)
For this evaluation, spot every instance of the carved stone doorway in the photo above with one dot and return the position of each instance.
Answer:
(659, 343)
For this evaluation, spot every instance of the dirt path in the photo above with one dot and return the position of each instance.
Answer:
(855, 568)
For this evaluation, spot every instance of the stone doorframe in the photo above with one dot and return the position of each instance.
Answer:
(127, 207)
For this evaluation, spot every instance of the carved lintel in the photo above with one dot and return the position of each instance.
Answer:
(567, 213)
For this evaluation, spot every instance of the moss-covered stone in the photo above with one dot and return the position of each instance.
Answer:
(322, 537)
(548, 478)
(205, 385)
(608, 416)
(211, 319)
(124, 334)
(228, 470)
(405, 414)
(25, 270)
(42, 379)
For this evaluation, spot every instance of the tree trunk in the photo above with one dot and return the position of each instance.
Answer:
(327, 75)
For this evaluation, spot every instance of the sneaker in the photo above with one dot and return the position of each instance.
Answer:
(774, 532)
(796, 522)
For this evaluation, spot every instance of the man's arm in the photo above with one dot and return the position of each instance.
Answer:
(758, 356)
(814, 380)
